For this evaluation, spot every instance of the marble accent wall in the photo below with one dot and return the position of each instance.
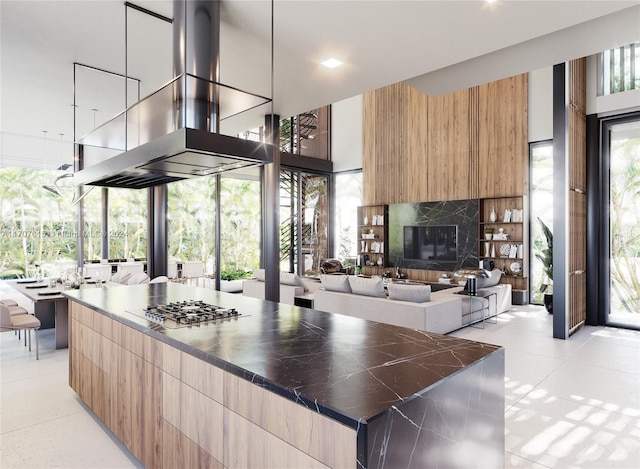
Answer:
(462, 213)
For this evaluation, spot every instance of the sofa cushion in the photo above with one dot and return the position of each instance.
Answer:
(289, 278)
(367, 286)
(259, 274)
(492, 281)
(339, 283)
(413, 293)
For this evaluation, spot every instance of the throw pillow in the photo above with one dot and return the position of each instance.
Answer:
(259, 274)
(412, 293)
(339, 283)
(289, 278)
(367, 286)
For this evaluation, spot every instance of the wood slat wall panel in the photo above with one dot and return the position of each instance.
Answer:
(503, 136)
(449, 147)
(394, 144)
(416, 168)
(577, 264)
(474, 142)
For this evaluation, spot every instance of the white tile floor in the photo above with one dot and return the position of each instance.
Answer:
(569, 403)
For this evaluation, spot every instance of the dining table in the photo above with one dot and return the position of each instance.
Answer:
(49, 305)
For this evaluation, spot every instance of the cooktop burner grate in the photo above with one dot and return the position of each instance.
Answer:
(188, 313)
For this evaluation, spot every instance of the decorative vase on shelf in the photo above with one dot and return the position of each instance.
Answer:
(362, 245)
(380, 262)
(487, 246)
(493, 250)
(492, 216)
(366, 220)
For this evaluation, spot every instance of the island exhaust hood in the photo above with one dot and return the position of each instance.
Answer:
(173, 134)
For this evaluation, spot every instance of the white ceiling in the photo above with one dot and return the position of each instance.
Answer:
(436, 46)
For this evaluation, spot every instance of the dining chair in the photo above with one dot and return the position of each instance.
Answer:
(160, 279)
(120, 277)
(138, 278)
(26, 322)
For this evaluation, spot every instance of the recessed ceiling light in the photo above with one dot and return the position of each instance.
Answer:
(331, 63)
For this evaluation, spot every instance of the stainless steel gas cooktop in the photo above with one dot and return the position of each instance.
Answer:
(187, 313)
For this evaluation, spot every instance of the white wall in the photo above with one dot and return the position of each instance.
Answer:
(541, 104)
(346, 134)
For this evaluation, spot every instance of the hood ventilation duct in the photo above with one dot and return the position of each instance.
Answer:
(172, 134)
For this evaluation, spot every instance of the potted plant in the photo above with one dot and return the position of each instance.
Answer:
(231, 278)
(546, 257)
(488, 233)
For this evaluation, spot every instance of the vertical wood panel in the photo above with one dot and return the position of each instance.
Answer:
(394, 144)
(577, 265)
(449, 133)
(502, 139)
(468, 144)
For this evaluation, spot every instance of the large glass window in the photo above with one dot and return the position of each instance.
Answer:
(624, 223)
(127, 223)
(191, 220)
(94, 232)
(37, 227)
(541, 156)
(620, 69)
(304, 210)
(348, 194)
(240, 231)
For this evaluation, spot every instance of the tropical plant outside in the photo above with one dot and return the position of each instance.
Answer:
(546, 257)
(542, 209)
(37, 226)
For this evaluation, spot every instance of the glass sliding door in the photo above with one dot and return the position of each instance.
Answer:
(304, 215)
(541, 158)
(622, 143)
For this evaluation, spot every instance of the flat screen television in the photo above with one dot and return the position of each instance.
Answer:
(435, 243)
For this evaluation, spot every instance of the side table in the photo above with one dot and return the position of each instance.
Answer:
(481, 295)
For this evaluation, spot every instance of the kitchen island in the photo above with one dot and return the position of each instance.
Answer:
(281, 386)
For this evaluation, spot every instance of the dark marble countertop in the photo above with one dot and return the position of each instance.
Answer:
(347, 368)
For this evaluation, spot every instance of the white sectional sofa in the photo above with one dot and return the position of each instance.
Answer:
(441, 314)
(291, 285)
(443, 311)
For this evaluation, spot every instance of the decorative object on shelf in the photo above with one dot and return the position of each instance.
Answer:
(380, 261)
(516, 268)
(517, 215)
(493, 250)
(487, 264)
(380, 219)
(501, 235)
(366, 220)
(492, 216)
(472, 276)
(546, 257)
(362, 246)
(505, 250)
(507, 215)
(488, 233)
(374, 220)
(487, 247)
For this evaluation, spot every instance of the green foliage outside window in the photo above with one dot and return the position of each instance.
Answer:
(36, 226)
